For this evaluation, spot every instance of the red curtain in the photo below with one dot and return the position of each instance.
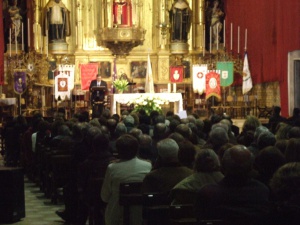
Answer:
(273, 31)
(1, 45)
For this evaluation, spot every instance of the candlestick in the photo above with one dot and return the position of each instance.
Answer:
(238, 50)
(169, 88)
(224, 34)
(245, 39)
(231, 36)
(28, 31)
(22, 37)
(9, 42)
(210, 38)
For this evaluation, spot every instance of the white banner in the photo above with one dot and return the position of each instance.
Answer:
(199, 72)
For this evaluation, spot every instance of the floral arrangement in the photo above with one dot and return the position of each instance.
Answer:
(121, 84)
(147, 103)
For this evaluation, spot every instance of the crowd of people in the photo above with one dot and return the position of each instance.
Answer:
(252, 175)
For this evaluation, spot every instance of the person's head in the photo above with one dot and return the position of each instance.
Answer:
(268, 160)
(218, 137)
(186, 153)
(100, 142)
(168, 150)
(135, 132)
(120, 129)
(258, 131)
(237, 162)
(99, 77)
(184, 130)
(292, 152)
(276, 110)
(129, 121)
(176, 137)
(265, 139)
(127, 146)
(251, 123)
(206, 161)
(286, 181)
(294, 132)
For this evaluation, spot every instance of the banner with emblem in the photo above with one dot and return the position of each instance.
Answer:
(226, 73)
(213, 87)
(70, 71)
(20, 82)
(62, 89)
(199, 84)
(88, 73)
(176, 74)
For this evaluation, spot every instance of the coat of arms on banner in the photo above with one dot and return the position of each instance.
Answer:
(62, 84)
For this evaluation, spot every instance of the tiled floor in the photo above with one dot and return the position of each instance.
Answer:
(39, 210)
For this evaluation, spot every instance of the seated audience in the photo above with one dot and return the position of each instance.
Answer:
(206, 171)
(236, 197)
(128, 169)
(168, 171)
(285, 187)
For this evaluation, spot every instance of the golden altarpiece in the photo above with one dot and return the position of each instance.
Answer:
(119, 33)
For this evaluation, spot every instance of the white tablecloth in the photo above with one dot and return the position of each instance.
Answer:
(125, 98)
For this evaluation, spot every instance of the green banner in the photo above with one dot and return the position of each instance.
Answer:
(226, 73)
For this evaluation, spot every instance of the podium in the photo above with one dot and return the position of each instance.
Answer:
(98, 99)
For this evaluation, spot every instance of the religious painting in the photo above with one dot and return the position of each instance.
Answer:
(104, 68)
(138, 69)
(19, 82)
(62, 84)
(176, 74)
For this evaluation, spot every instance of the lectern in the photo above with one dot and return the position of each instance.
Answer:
(98, 99)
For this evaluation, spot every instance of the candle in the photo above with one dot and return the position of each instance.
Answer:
(174, 87)
(231, 36)
(204, 42)
(162, 16)
(238, 49)
(224, 34)
(245, 39)
(210, 38)
(22, 37)
(217, 37)
(47, 42)
(16, 43)
(169, 88)
(28, 32)
(10, 42)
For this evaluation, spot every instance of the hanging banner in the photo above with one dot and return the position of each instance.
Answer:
(88, 73)
(213, 87)
(226, 72)
(70, 71)
(19, 82)
(176, 74)
(199, 84)
(62, 87)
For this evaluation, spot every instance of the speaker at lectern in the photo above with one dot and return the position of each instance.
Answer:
(98, 93)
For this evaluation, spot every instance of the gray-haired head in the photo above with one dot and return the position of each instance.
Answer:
(168, 150)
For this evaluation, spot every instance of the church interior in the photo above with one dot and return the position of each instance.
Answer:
(195, 55)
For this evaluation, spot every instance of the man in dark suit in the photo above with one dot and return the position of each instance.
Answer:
(98, 96)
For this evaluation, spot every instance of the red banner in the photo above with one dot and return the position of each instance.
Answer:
(213, 85)
(88, 73)
(176, 74)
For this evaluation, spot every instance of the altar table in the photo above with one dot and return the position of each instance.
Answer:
(125, 98)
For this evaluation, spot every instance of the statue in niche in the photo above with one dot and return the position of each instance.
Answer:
(57, 21)
(180, 16)
(13, 21)
(214, 17)
(122, 13)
